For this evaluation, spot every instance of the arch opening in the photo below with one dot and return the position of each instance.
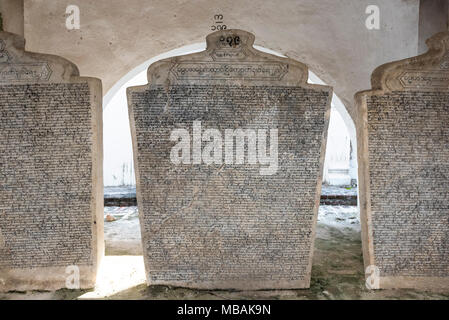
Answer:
(118, 166)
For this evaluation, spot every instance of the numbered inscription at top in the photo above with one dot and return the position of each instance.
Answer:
(230, 41)
(218, 23)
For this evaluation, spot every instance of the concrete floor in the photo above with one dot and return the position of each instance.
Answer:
(337, 271)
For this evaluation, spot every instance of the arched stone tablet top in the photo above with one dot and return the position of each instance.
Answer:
(229, 58)
(18, 66)
(426, 72)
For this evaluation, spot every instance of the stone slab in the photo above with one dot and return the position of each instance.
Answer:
(220, 224)
(403, 143)
(51, 197)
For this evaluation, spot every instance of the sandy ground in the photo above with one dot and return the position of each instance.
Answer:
(122, 237)
(337, 271)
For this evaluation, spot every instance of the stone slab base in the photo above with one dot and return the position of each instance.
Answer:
(237, 284)
(51, 278)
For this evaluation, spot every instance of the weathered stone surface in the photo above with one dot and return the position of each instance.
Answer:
(214, 223)
(403, 138)
(51, 198)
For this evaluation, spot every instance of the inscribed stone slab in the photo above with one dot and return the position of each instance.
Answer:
(403, 143)
(210, 219)
(51, 198)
